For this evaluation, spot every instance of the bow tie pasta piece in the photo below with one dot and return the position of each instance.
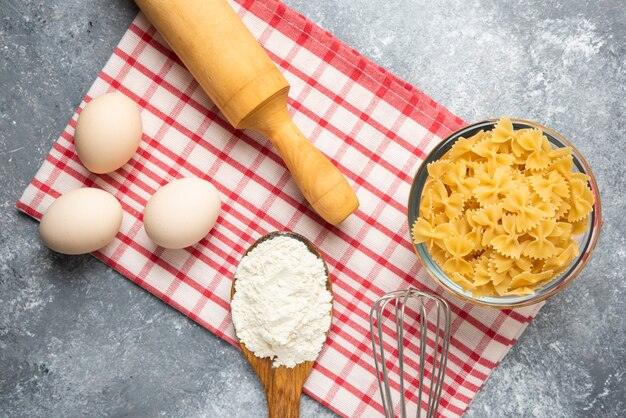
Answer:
(440, 218)
(546, 209)
(490, 150)
(458, 181)
(482, 172)
(462, 281)
(530, 139)
(554, 185)
(458, 266)
(562, 210)
(439, 193)
(541, 247)
(500, 209)
(458, 247)
(424, 231)
(562, 230)
(489, 219)
(481, 272)
(508, 242)
(503, 131)
(520, 152)
(539, 147)
(462, 147)
(523, 263)
(505, 148)
(488, 216)
(499, 264)
(503, 286)
(493, 188)
(581, 201)
(471, 230)
(518, 201)
(470, 215)
(426, 205)
(497, 278)
(502, 278)
(484, 290)
(579, 176)
(453, 205)
(558, 153)
(563, 165)
(560, 261)
(439, 254)
(579, 227)
(462, 226)
(528, 279)
(485, 148)
(438, 169)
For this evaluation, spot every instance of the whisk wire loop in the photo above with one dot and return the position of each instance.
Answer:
(395, 304)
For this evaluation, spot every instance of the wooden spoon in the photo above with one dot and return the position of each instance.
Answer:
(282, 385)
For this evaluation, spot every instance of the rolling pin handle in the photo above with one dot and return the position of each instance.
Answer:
(321, 183)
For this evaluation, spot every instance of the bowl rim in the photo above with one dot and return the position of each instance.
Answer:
(565, 278)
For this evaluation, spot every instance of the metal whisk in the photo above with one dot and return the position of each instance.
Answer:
(424, 305)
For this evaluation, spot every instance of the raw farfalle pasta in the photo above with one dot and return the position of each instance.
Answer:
(499, 211)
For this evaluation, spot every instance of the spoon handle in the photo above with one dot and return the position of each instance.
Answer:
(283, 388)
(283, 401)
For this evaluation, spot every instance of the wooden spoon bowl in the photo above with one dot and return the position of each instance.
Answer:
(282, 385)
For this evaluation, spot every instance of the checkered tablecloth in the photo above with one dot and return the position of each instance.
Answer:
(375, 127)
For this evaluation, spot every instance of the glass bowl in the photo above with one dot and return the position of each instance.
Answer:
(587, 241)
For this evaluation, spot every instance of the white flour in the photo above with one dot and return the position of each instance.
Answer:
(281, 307)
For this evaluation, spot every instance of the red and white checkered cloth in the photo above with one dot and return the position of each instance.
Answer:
(376, 128)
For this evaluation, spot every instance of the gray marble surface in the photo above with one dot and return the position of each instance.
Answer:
(77, 339)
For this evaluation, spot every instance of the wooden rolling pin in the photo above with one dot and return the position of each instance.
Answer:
(240, 78)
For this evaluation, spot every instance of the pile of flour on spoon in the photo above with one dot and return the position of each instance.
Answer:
(281, 307)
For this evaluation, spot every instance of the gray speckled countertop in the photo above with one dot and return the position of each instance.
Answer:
(77, 339)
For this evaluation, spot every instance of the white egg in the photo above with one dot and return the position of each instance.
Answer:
(108, 132)
(182, 212)
(81, 221)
